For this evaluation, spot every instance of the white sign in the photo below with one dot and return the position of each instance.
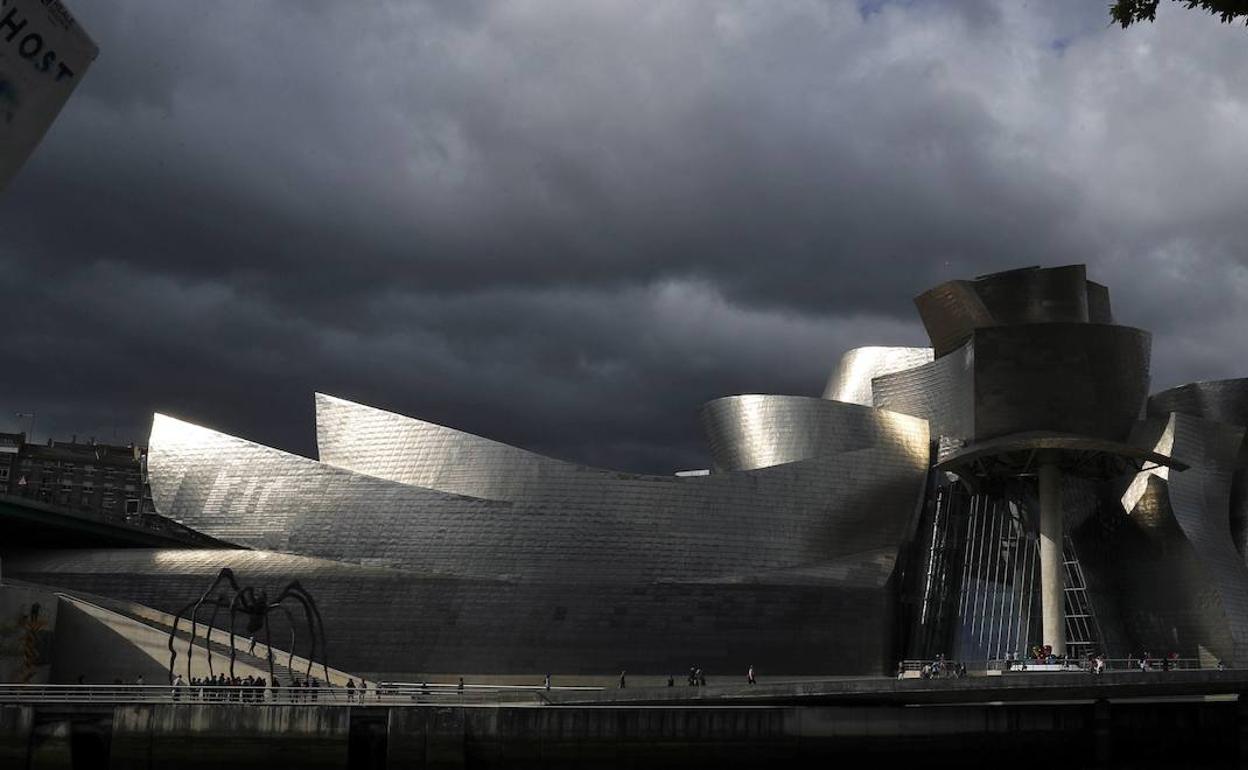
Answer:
(43, 55)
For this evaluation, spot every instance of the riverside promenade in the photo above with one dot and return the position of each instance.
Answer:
(1125, 719)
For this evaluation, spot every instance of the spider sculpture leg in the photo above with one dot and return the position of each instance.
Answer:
(225, 574)
(212, 623)
(228, 575)
(240, 597)
(319, 628)
(268, 642)
(290, 653)
(173, 635)
(307, 614)
(315, 625)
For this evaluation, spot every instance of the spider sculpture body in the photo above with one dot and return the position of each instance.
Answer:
(256, 608)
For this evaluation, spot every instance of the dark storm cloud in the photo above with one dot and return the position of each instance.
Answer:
(565, 225)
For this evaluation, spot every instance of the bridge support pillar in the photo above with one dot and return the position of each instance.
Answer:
(1052, 579)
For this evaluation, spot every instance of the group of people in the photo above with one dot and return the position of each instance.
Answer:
(695, 678)
(936, 669)
(1146, 663)
(245, 689)
(1096, 663)
(363, 689)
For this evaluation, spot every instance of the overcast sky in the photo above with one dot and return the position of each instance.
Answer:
(565, 225)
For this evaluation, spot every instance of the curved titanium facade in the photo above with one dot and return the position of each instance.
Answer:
(850, 381)
(1215, 400)
(629, 528)
(1183, 586)
(403, 625)
(756, 431)
(669, 556)
(1080, 379)
(952, 311)
(391, 446)
(1224, 401)
(1085, 379)
(941, 392)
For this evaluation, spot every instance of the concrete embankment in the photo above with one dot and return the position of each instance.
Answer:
(190, 736)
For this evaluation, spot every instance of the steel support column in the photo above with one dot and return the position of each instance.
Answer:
(1052, 584)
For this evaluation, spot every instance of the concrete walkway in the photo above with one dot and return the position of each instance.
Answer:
(1015, 687)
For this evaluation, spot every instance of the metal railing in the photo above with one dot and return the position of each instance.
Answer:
(947, 669)
(1110, 665)
(386, 694)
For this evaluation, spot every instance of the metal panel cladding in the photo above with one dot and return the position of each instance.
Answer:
(952, 311)
(1186, 587)
(407, 625)
(748, 525)
(942, 392)
(375, 442)
(1085, 379)
(579, 572)
(1224, 401)
(759, 431)
(1215, 400)
(850, 381)
(1074, 378)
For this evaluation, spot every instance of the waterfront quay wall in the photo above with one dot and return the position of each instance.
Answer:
(185, 736)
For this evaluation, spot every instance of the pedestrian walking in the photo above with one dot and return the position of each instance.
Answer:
(178, 684)
(749, 675)
(671, 681)
(547, 681)
(622, 680)
(350, 690)
(460, 686)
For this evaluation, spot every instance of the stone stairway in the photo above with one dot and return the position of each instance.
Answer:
(285, 667)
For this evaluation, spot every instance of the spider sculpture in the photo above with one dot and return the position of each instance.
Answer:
(255, 607)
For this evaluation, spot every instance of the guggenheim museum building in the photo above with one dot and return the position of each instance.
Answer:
(1013, 485)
